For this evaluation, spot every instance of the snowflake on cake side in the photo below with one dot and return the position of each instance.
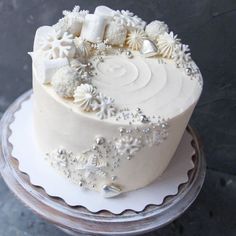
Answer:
(104, 107)
(128, 146)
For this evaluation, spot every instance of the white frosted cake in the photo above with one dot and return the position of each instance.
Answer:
(112, 98)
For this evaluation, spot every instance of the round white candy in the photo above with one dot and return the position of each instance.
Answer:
(65, 81)
(156, 28)
(115, 34)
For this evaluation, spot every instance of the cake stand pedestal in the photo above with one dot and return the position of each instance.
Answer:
(78, 220)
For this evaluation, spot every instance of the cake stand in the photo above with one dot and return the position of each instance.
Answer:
(78, 220)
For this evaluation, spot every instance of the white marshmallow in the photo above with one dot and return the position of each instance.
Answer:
(93, 28)
(104, 11)
(46, 68)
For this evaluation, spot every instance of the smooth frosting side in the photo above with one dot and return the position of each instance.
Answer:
(56, 124)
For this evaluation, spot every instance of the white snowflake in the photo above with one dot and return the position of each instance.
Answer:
(57, 45)
(104, 106)
(75, 12)
(128, 19)
(59, 157)
(72, 21)
(128, 145)
(181, 55)
(101, 46)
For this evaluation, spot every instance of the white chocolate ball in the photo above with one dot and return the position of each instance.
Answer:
(115, 34)
(156, 28)
(65, 81)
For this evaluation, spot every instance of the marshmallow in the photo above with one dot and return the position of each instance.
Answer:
(93, 28)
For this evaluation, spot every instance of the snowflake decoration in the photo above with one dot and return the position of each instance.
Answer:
(59, 157)
(56, 45)
(85, 71)
(101, 47)
(104, 106)
(91, 164)
(72, 21)
(182, 55)
(128, 145)
(128, 19)
(76, 13)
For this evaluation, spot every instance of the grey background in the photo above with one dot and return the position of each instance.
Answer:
(208, 26)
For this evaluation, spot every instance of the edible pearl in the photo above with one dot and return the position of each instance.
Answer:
(100, 140)
(129, 54)
(113, 178)
(144, 119)
(188, 71)
(122, 130)
(89, 64)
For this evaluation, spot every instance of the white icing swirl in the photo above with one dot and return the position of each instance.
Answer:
(159, 89)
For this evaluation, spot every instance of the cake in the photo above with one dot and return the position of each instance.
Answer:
(112, 96)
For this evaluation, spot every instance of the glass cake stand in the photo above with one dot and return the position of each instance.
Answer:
(78, 220)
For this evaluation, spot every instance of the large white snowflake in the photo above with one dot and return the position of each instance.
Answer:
(128, 19)
(72, 20)
(182, 55)
(57, 45)
(101, 46)
(128, 145)
(104, 106)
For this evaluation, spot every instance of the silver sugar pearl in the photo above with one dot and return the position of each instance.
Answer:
(122, 130)
(89, 64)
(100, 59)
(188, 71)
(129, 157)
(144, 119)
(114, 178)
(100, 140)
(138, 110)
(80, 183)
(129, 54)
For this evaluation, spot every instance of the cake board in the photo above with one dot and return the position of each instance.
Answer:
(78, 220)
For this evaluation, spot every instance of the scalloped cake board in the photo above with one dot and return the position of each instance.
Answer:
(32, 162)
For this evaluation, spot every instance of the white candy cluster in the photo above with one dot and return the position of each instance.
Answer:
(63, 51)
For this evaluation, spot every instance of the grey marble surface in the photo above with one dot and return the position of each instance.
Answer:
(208, 26)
